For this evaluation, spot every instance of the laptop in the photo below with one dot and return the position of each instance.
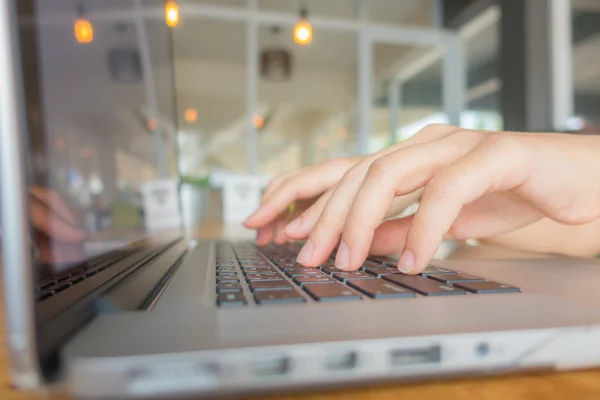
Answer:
(100, 306)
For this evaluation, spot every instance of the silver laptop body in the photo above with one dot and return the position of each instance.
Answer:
(149, 325)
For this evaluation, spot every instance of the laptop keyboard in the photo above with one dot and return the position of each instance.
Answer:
(246, 274)
(53, 284)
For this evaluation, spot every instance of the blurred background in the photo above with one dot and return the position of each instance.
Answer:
(137, 90)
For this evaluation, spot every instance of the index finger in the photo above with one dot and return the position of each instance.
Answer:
(399, 173)
(314, 181)
(327, 230)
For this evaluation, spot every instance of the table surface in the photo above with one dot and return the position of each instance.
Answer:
(577, 385)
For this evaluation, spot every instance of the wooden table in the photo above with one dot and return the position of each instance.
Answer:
(579, 385)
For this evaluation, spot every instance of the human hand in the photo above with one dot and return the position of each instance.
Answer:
(301, 188)
(474, 184)
(57, 232)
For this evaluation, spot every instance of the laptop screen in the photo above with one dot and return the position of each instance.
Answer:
(101, 114)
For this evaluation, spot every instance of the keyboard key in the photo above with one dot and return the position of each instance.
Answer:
(330, 270)
(58, 287)
(428, 287)
(295, 266)
(226, 264)
(301, 280)
(370, 263)
(227, 278)
(267, 276)
(279, 297)
(344, 276)
(386, 261)
(331, 292)
(328, 264)
(291, 272)
(289, 265)
(231, 300)
(258, 270)
(380, 289)
(76, 279)
(226, 270)
(381, 271)
(487, 287)
(44, 295)
(454, 278)
(229, 287)
(258, 286)
(255, 264)
(431, 270)
(47, 283)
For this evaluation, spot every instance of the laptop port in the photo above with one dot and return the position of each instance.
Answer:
(268, 367)
(342, 361)
(425, 355)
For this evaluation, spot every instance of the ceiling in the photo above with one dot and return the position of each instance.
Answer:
(80, 77)
(330, 50)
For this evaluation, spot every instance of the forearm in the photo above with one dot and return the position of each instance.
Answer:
(548, 236)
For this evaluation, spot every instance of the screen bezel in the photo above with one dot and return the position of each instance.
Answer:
(58, 318)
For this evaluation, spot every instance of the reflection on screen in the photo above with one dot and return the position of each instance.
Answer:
(94, 124)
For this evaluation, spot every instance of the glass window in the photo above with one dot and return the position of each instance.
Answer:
(102, 125)
(306, 98)
(225, 3)
(342, 9)
(483, 82)
(586, 67)
(210, 78)
(405, 12)
(419, 94)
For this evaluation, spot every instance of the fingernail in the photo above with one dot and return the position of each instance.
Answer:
(406, 262)
(294, 225)
(342, 259)
(306, 253)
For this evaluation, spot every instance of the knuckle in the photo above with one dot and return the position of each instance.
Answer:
(466, 135)
(439, 188)
(351, 175)
(432, 131)
(504, 143)
(336, 165)
(290, 190)
(494, 145)
(379, 169)
(273, 183)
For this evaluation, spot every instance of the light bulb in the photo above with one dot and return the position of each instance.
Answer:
(151, 124)
(303, 32)
(84, 33)
(258, 121)
(171, 13)
(190, 115)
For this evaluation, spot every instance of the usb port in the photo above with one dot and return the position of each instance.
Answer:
(341, 361)
(271, 367)
(425, 355)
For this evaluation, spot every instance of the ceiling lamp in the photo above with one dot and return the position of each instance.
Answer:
(190, 115)
(303, 30)
(82, 28)
(171, 13)
(258, 121)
